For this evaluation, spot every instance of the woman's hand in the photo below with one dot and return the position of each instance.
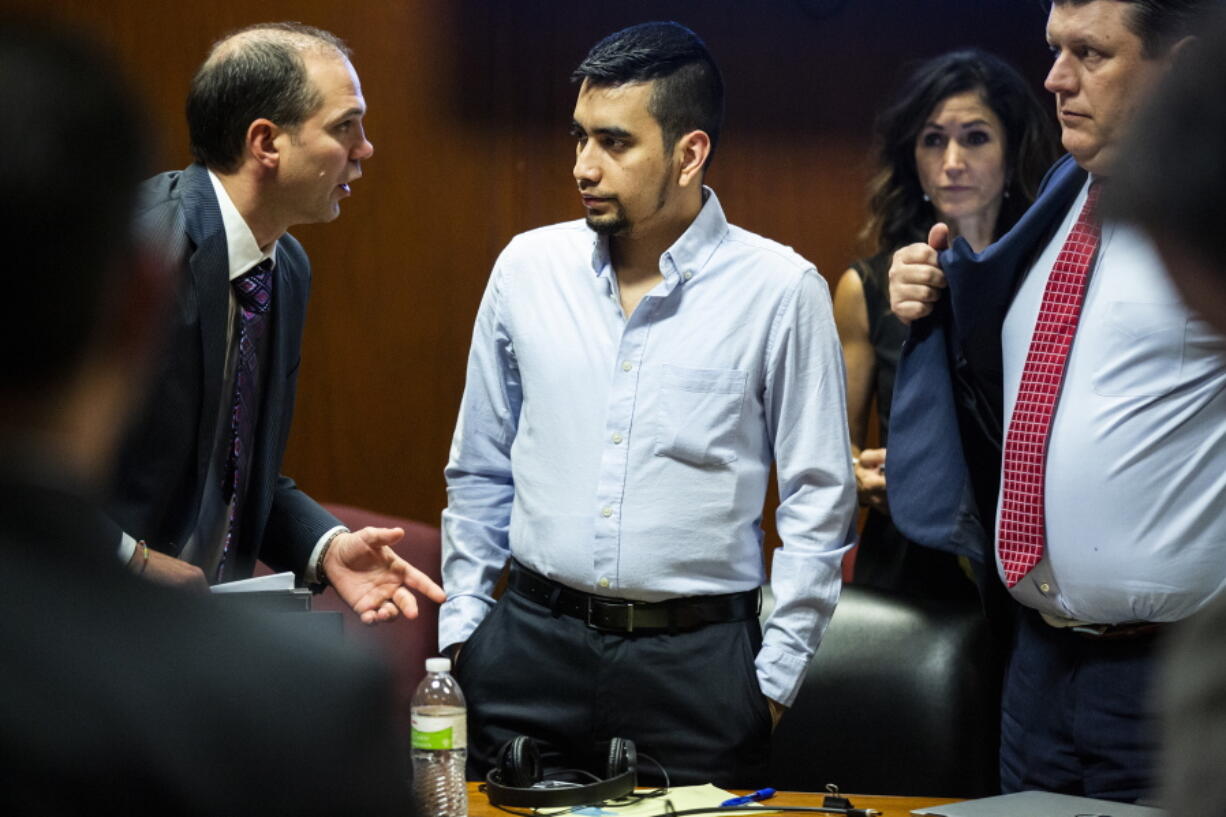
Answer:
(869, 469)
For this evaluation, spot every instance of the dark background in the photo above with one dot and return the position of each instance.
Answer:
(469, 109)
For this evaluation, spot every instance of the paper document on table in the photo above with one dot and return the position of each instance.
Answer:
(681, 797)
(1030, 803)
(260, 584)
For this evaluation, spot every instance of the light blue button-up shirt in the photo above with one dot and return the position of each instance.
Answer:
(629, 456)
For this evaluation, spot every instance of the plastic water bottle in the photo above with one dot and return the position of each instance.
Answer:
(440, 743)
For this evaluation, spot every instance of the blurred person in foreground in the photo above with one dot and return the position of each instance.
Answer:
(1173, 185)
(121, 695)
(964, 142)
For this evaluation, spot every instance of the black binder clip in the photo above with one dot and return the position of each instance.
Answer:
(834, 799)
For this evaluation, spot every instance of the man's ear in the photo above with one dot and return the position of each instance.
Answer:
(692, 151)
(262, 143)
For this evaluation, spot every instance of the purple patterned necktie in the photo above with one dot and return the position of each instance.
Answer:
(253, 292)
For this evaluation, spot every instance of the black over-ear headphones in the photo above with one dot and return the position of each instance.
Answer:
(517, 779)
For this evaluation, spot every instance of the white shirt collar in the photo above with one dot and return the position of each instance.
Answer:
(240, 241)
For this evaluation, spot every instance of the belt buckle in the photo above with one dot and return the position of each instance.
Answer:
(1092, 630)
(627, 605)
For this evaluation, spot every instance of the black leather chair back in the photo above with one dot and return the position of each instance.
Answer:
(903, 697)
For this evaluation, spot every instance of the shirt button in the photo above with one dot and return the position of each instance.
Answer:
(688, 276)
(604, 581)
(617, 438)
(1045, 587)
(606, 512)
(627, 365)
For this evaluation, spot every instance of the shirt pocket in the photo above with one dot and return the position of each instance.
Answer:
(1142, 347)
(699, 411)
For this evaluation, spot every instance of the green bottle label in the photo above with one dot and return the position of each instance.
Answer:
(440, 731)
(432, 740)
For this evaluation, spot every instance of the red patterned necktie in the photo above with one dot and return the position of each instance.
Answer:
(1022, 535)
(253, 292)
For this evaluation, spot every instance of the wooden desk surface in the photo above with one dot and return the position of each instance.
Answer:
(479, 806)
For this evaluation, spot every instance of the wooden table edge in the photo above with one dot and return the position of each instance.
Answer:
(888, 805)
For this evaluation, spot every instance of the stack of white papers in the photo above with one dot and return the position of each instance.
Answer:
(260, 584)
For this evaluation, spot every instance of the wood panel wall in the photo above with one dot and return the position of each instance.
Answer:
(469, 109)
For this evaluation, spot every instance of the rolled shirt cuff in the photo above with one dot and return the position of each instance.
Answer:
(780, 674)
(459, 617)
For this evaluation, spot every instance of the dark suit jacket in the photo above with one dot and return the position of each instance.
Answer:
(946, 435)
(118, 696)
(165, 459)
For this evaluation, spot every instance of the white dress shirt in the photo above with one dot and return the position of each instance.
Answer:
(629, 457)
(1136, 462)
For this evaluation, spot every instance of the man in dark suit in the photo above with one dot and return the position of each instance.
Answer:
(275, 114)
(119, 695)
(1057, 419)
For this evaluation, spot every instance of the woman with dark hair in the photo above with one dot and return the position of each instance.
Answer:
(965, 142)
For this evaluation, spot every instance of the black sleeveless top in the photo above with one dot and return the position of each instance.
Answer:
(885, 332)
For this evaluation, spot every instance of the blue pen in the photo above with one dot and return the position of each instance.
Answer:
(759, 795)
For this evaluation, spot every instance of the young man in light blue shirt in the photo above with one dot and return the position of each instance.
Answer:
(632, 378)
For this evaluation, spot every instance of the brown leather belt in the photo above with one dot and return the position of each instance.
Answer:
(625, 616)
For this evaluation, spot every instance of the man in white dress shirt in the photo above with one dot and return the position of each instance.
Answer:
(1103, 425)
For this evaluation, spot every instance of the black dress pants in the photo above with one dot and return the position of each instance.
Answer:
(1078, 714)
(689, 700)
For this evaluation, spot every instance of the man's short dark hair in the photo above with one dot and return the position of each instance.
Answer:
(1159, 23)
(254, 73)
(73, 147)
(689, 91)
